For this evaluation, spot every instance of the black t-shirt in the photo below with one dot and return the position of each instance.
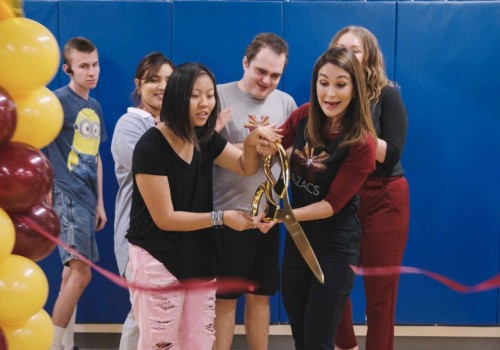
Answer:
(187, 254)
(313, 171)
(331, 173)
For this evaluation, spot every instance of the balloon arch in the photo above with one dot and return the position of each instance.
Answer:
(30, 118)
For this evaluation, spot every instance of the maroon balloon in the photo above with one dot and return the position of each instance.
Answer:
(25, 176)
(29, 226)
(8, 117)
(3, 341)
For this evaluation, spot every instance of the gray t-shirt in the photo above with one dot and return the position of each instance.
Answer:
(73, 154)
(230, 190)
(128, 130)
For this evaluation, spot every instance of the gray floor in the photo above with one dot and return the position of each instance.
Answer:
(110, 342)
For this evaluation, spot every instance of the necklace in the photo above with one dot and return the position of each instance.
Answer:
(156, 118)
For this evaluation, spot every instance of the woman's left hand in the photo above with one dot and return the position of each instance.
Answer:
(263, 136)
(263, 226)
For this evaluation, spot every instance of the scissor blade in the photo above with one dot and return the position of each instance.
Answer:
(302, 243)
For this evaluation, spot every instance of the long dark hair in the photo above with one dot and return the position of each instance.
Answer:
(357, 121)
(176, 102)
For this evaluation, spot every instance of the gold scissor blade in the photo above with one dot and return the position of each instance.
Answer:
(301, 241)
(280, 187)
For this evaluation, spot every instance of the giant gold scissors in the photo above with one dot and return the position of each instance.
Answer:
(273, 210)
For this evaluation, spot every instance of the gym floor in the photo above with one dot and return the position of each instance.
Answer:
(407, 338)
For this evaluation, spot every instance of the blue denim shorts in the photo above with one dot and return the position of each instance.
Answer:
(77, 227)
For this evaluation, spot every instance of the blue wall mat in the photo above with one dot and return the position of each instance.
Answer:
(444, 56)
(134, 29)
(449, 77)
(309, 27)
(221, 44)
(46, 13)
(220, 41)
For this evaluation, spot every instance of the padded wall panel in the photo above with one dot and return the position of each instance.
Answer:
(310, 25)
(444, 56)
(47, 14)
(219, 41)
(124, 32)
(447, 65)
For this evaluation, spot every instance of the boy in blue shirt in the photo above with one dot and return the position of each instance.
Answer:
(77, 193)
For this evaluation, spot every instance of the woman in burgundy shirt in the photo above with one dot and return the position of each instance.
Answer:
(332, 142)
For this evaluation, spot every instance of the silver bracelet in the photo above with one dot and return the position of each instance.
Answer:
(217, 218)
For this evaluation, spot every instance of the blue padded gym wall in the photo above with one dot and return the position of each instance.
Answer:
(309, 27)
(47, 13)
(443, 54)
(124, 32)
(446, 54)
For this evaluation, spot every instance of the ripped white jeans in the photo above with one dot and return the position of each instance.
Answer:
(182, 320)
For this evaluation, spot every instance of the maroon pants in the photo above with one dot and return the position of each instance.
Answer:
(384, 214)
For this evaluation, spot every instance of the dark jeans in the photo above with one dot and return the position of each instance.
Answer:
(314, 310)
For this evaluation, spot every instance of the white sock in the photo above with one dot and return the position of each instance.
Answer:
(58, 335)
(68, 339)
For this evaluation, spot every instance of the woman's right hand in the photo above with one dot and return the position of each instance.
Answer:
(238, 220)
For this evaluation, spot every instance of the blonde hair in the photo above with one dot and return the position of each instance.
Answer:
(373, 60)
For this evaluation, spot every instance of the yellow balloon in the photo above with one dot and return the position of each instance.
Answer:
(11, 8)
(29, 54)
(5, 10)
(34, 334)
(23, 289)
(7, 235)
(39, 117)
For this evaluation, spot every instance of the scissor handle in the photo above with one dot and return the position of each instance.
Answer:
(271, 205)
(279, 186)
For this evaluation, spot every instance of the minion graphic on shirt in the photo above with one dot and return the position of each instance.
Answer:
(82, 159)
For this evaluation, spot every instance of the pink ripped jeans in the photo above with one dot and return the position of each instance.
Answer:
(181, 320)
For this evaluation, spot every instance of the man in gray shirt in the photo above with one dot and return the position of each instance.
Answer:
(249, 254)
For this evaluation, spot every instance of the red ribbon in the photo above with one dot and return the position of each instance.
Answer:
(222, 284)
(488, 284)
(231, 285)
